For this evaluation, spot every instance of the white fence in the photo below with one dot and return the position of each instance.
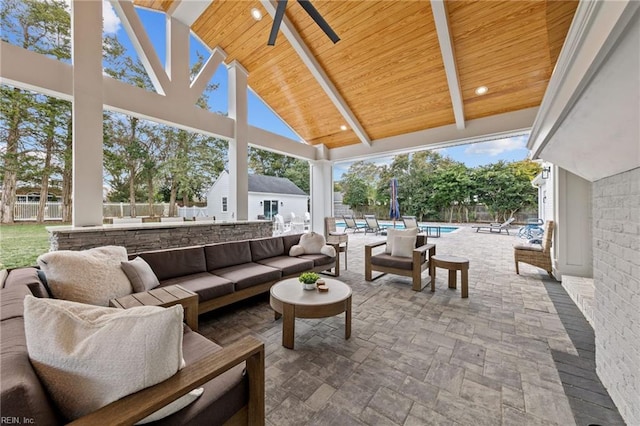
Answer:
(28, 210)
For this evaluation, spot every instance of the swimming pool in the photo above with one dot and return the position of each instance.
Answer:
(400, 225)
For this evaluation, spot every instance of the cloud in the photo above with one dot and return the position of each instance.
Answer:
(498, 146)
(111, 21)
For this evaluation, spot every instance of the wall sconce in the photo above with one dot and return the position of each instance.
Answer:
(545, 172)
(260, 202)
(281, 203)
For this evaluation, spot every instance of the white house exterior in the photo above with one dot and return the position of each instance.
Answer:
(268, 196)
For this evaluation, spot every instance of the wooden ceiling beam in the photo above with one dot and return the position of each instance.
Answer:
(318, 73)
(142, 44)
(188, 11)
(440, 17)
(478, 130)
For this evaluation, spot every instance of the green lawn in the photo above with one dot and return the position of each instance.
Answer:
(21, 244)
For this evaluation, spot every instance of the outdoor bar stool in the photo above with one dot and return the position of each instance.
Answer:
(453, 264)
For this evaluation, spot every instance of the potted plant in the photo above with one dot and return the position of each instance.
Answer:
(308, 280)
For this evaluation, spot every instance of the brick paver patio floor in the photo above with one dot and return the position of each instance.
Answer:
(421, 358)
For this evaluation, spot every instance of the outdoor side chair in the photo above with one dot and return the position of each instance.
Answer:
(496, 227)
(339, 240)
(350, 223)
(536, 254)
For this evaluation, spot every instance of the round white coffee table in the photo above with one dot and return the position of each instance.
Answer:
(291, 301)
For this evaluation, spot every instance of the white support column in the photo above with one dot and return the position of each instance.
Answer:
(239, 146)
(321, 191)
(177, 56)
(86, 32)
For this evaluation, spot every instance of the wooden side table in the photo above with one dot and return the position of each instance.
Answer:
(453, 264)
(163, 297)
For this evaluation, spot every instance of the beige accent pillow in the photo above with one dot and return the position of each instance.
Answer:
(312, 243)
(392, 233)
(140, 274)
(403, 246)
(90, 276)
(89, 356)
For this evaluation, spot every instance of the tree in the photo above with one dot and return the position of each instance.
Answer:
(506, 188)
(269, 163)
(356, 192)
(43, 27)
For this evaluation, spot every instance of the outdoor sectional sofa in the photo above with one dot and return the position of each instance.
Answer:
(224, 273)
(232, 377)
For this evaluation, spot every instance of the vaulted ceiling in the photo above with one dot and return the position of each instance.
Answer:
(387, 75)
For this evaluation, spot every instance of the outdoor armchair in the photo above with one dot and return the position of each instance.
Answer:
(496, 227)
(350, 223)
(536, 254)
(404, 266)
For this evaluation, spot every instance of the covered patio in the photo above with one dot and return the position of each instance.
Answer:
(406, 76)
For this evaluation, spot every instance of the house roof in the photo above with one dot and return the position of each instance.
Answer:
(274, 185)
(401, 67)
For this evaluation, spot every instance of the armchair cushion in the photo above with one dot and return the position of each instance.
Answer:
(89, 356)
(403, 246)
(392, 233)
(528, 247)
(389, 261)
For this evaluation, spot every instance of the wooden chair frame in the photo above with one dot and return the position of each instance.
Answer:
(135, 407)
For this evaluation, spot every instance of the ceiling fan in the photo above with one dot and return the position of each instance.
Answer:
(313, 13)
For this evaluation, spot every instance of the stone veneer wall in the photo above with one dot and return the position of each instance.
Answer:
(616, 265)
(149, 236)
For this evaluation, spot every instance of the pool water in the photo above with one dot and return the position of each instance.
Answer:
(400, 225)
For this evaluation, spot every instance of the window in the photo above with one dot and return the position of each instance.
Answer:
(224, 204)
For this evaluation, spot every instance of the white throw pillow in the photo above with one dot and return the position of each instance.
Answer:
(140, 274)
(312, 242)
(403, 246)
(90, 276)
(392, 233)
(89, 356)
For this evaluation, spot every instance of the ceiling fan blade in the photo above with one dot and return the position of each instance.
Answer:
(315, 15)
(277, 20)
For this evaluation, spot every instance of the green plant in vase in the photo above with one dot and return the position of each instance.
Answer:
(308, 279)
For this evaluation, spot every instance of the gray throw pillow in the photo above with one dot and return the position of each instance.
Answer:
(140, 274)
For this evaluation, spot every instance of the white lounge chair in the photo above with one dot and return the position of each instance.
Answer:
(496, 227)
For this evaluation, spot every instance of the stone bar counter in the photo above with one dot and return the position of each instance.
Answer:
(154, 236)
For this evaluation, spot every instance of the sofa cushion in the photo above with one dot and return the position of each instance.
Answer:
(28, 277)
(116, 352)
(318, 259)
(384, 259)
(178, 262)
(227, 254)
(249, 274)
(288, 265)
(207, 286)
(289, 241)
(223, 396)
(140, 274)
(21, 394)
(91, 276)
(264, 248)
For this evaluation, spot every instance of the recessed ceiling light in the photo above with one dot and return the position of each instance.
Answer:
(343, 127)
(256, 14)
(481, 90)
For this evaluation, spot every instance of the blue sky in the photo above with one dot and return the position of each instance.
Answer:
(473, 155)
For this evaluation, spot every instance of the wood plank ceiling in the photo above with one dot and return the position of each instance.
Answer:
(388, 66)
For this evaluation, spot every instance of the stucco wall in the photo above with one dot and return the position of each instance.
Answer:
(616, 261)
